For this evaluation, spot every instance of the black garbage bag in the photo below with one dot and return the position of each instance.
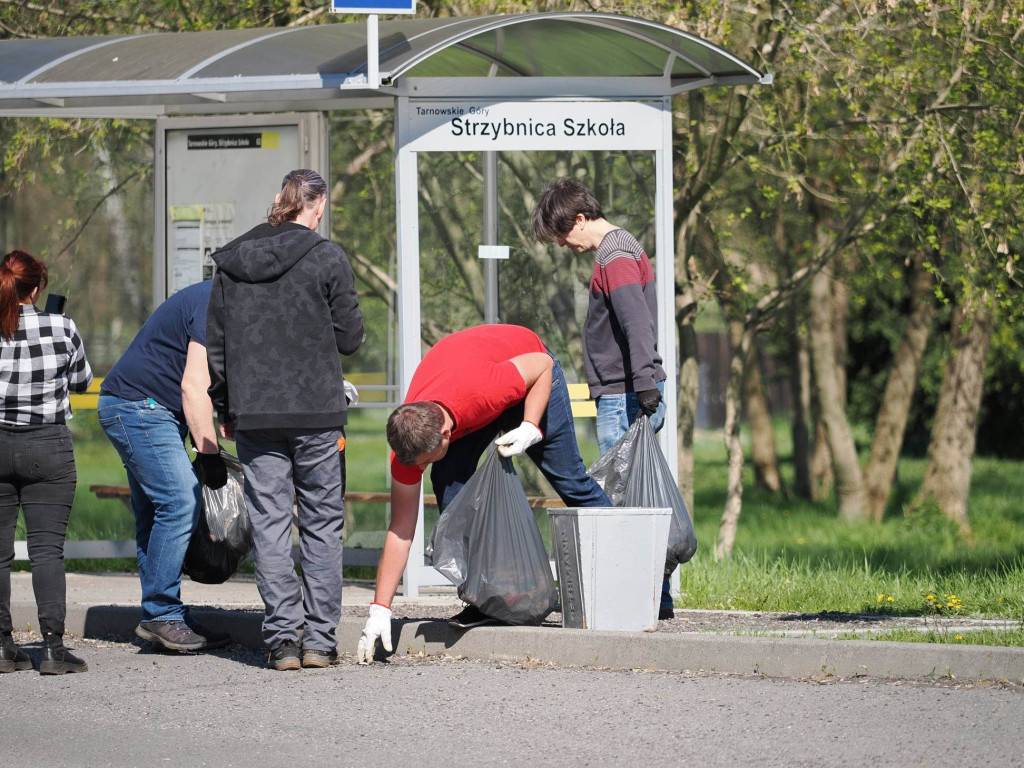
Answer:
(488, 545)
(222, 539)
(634, 473)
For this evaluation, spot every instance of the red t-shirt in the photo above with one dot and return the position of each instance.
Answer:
(471, 374)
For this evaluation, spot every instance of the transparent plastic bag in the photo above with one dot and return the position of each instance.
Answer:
(488, 545)
(634, 473)
(222, 539)
(225, 511)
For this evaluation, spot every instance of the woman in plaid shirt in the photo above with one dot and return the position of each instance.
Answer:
(42, 359)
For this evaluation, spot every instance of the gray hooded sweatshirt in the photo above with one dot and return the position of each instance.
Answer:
(283, 306)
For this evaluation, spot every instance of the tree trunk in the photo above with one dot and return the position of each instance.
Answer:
(840, 317)
(689, 377)
(947, 478)
(799, 367)
(689, 382)
(822, 476)
(800, 390)
(899, 392)
(123, 254)
(762, 436)
(849, 485)
(734, 491)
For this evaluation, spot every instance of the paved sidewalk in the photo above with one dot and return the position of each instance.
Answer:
(106, 605)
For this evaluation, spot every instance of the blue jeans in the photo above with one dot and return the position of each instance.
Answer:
(615, 414)
(557, 455)
(166, 498)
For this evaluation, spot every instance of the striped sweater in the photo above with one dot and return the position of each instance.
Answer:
(621, 331)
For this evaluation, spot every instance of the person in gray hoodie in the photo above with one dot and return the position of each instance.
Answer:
(283, 306)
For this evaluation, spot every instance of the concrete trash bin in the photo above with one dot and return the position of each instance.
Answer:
(610, 563)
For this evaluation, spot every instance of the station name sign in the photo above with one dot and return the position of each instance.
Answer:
(225, 141)
(467, 126)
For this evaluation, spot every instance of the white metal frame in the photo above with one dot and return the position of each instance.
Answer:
(418, 573)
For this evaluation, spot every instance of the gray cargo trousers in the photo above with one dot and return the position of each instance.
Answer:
(307, 465)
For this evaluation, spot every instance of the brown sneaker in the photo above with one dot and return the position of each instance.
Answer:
(284, 657)
(173, 635)
(314, 657)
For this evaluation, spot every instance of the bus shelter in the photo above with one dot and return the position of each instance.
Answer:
(495, 86)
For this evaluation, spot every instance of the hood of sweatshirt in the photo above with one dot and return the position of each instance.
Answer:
(268, 252)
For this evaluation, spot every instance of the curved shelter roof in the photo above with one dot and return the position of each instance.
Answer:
(325, 67)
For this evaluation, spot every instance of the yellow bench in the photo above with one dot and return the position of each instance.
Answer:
(582, 406)
(86, 401)
(579, 395)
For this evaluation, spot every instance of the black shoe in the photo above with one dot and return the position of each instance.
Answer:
(314, 657)
(470, 617)
(213, 638)
(286, 656)
(173, 635)
(57, 660)
(12, 658)
(666, 612)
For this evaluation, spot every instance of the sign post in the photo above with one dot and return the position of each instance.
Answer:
(372, 8)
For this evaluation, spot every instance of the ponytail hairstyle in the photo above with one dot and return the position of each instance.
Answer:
(20, 274)
(299, 190)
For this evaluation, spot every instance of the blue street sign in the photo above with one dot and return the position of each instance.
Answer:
(373, 6)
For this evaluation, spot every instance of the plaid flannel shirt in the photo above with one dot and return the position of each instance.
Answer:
(39, 367)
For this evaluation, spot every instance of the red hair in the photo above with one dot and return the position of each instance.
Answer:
(20, 274)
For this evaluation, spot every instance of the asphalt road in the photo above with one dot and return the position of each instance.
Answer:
(139, 708)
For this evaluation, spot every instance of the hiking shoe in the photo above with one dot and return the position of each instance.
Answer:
(314, 657)
(173, 635)
(213, 638)
(470, 617)
(284, 657)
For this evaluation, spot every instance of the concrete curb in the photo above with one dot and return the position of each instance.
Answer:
(729, 654)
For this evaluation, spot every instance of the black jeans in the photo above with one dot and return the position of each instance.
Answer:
(37, 474)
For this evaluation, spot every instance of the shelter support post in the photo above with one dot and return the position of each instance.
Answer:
(665, 276)
(491, 299)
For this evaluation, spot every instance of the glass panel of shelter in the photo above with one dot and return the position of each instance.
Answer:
(543, 287)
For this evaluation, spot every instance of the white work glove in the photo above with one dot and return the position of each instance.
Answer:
(377, 627)
(516, 441)
(351, 393)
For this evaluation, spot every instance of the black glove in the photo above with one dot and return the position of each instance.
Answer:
(212, 471)
(649, 400)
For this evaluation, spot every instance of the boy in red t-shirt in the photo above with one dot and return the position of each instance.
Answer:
(469, 387)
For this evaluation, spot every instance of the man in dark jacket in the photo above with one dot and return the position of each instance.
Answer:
(283, 306)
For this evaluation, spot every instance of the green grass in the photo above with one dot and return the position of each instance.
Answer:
(797, 556)
(1013, 638)
(790, 555)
